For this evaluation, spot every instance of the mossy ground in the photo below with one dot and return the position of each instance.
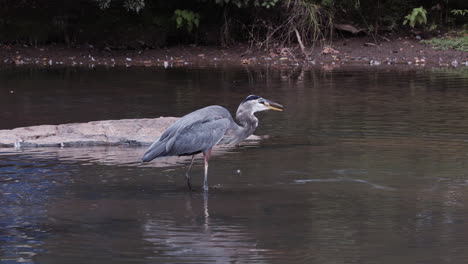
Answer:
(455, 41)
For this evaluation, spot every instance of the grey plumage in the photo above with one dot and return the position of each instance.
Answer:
(202, 129)
(192, 134)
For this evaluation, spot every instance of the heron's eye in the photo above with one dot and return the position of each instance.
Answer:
(261, 101)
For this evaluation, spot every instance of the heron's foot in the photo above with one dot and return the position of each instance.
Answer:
(189, 185)
(205, 187)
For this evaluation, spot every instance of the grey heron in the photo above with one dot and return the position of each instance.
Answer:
(199, 131)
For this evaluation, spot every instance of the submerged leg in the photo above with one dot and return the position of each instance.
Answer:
(187, 174)
(206, 157)
(206, 211)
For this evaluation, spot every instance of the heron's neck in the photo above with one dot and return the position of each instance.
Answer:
(247, 123)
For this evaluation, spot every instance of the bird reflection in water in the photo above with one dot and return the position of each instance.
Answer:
(202, 239)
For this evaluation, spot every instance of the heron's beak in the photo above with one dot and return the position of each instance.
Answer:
(273, 105)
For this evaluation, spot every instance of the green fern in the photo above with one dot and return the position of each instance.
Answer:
(459, 12)
(417, 16)
(187, 19)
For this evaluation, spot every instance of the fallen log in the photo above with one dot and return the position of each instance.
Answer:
(95, 133)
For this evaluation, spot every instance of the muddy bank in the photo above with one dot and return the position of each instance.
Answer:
(363, 50)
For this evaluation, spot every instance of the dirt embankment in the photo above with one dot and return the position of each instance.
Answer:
(363, 50)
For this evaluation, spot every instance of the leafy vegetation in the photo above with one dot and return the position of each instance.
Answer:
(459, 12)
(187, 19)
(262, 23)
(130, 5)
(417, 16)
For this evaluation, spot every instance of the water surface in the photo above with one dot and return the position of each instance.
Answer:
(364, 166)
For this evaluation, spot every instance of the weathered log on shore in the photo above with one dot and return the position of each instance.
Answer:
(96, 133)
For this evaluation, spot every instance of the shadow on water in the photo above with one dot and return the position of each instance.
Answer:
(364, 166)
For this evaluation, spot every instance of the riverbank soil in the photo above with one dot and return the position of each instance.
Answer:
(356, 50)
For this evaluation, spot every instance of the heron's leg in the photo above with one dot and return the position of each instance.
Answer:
(187, 174)
(206, 157)
(206, 211)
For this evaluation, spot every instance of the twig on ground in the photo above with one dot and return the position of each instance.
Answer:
(298, 36)
(370, 44)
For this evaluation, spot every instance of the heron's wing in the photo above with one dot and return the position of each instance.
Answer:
(198, 136)
(194, 132)
(193, 118)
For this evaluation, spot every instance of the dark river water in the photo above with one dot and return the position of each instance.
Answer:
(365, 165)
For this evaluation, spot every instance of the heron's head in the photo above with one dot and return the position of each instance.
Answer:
(256, 103)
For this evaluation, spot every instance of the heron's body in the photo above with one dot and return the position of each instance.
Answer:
(199, 131)
(194, 133)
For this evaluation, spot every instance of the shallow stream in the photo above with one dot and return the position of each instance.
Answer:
(365, 165)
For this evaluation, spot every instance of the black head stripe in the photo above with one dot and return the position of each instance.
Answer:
(250, 98)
